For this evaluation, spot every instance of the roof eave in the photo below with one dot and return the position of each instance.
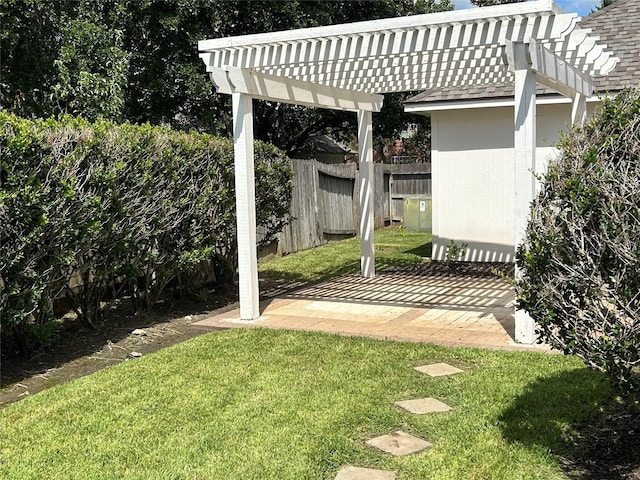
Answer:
(425, 108)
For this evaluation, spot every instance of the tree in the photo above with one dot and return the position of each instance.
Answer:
(580, 259)
(29, 43)
(604, 3)
(91, 64)
(81, 47)
(489, 3)
(62, 57)
(167, 79)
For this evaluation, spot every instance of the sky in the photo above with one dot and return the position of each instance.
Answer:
(582, 7)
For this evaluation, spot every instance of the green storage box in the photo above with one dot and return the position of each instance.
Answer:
(416, 214)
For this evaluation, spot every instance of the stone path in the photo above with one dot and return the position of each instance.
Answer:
(357, 473)
(400, 443)
(423, 406)
(438, 369)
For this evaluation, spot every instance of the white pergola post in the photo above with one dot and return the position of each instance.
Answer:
(365, 149)
(524, 160)
(245, 205)
(578, 109)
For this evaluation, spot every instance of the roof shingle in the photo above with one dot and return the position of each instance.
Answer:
(618, 26)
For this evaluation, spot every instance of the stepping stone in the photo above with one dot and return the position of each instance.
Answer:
(422, 406)
(438, 369)
(399, 443)
(358, 473)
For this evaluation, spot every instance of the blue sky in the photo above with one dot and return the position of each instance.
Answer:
(582, 7)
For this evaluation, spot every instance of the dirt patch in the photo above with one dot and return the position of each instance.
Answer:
(77, 350)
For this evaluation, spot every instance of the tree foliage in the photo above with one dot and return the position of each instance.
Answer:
(137, 60)
(489, 3)
(91, 65)
(604, 4)
(580, 259)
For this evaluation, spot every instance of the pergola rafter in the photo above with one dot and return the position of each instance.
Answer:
(348, 67)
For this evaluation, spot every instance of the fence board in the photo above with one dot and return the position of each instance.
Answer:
(325, 199)
(337, 204)
(303, 232)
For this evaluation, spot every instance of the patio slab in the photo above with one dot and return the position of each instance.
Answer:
(359, 473)
(446, 311)
(424, 406)
(399, 444)
(438, 369)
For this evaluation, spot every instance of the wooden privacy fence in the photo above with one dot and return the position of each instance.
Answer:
(325, 200)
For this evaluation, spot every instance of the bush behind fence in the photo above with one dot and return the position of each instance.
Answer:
(127, 210)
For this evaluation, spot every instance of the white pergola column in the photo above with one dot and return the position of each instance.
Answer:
(524, 161)
(365, 149)
(245, 205)
(578, 109)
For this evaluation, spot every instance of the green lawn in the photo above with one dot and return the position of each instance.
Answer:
(393, 246)
(263, 404)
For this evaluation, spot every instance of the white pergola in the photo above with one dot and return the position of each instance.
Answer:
(349, 66)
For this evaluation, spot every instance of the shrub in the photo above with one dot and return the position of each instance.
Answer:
(124, 209)
(580, 260)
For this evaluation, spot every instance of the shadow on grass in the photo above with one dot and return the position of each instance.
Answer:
(423, 250)
(576, 416)
(332, 271)
(383, 262)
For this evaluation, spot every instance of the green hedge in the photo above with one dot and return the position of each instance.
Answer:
(580, 259)
(130, 210)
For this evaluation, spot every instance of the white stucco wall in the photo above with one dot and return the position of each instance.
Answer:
(473, 177)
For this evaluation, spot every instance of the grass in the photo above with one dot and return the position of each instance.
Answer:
(263, 404)
(393, 246)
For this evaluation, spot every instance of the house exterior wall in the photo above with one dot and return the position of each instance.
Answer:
(473, 177)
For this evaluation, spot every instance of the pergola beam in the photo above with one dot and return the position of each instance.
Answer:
(288, 90)
(557, 74)
(447, 18)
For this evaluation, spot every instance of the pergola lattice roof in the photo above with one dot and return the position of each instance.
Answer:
(462, 47)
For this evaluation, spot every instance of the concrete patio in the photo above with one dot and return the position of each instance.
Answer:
(451, 311)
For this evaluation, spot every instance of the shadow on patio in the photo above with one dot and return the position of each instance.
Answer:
(395, 305)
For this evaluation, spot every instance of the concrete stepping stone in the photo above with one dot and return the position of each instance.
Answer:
(422, 406)
(399, 443)
(358, 473)
(438, 369)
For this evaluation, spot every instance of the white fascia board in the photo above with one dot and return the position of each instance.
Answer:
(287, 90)
(428, 107)
(387, 24)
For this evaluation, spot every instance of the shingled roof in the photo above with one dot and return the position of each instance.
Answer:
(618, 26)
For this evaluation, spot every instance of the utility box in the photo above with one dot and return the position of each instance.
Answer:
(416, 215)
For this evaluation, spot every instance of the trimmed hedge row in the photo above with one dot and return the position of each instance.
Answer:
(92, 212)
